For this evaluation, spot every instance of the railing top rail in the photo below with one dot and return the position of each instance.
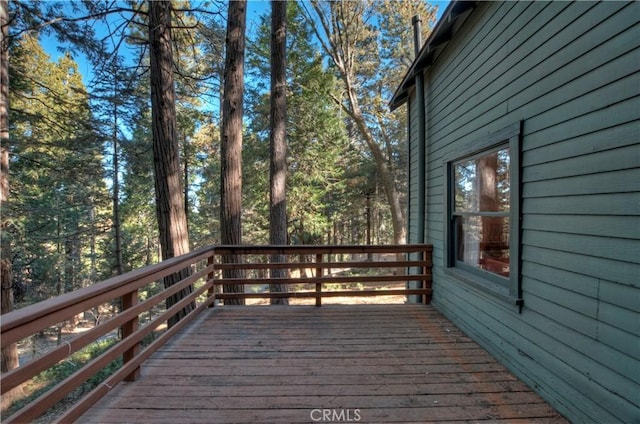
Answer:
(144, 275)
(39, 310)
(326, 249)
(197, 290)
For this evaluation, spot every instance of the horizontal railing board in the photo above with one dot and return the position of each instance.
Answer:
(19, 375)
(205, 264)
(55, 394)
(325, 249)
(336, 293)
(324, 280)
(97, 393)
(46, 313)
(323, 265)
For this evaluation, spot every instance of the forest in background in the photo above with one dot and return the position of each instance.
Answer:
(81, 206)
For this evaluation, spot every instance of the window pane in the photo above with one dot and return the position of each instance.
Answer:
(483, 242)
(482, 184)
(466, 199)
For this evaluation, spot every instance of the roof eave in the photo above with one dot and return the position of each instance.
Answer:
(439, 37)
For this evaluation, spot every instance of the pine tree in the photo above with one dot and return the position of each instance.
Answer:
(8, 354)
(231, 139)
(348, 35)
(59, 174)
(321, 164)
(172, 219)
(278, 141)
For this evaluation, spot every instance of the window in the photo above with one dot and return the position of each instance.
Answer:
(483, 207)
(481, 211)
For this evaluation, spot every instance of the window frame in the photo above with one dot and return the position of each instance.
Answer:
(508, 288)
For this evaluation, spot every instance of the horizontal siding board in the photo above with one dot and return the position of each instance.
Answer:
(584, 285)
(587, 246)
(565, 69)
(569, 318)
(486, 67)
(435, 235)
(623, 181)
(625, 112)
(621, 318)
(549, 335)
(621, 295)
(612, 358)
(437, 204)
(623, 204)
(566, 299)
(491, 101)
(627, 157)
(624, 314)
(538, 118)
(523, 86)
(570, 71)
(549, 112)
(573, 390)
(606, 269)
(485, 97)
(620, 340)
(485, 70)
(461, 81)
(453, 68)
(610, 138)
(627, 227)
(624, 345)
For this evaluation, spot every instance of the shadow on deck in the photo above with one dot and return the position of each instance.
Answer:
(338, 363)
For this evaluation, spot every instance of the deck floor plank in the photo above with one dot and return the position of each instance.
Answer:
(368, 363)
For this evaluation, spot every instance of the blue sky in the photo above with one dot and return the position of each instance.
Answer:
(256, 8)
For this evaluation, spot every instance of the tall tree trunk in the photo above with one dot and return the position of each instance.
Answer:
(116, 189)
(9, 354)
(278, 141)
(341, 45)
(172, 221)
(231, 140)
(185, 159)
(388, 179)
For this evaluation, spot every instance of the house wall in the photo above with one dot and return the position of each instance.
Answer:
(412, 196)
(571, 72)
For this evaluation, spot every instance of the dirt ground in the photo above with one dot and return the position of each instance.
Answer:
(346, 300)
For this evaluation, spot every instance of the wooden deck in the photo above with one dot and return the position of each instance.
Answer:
(301, 364)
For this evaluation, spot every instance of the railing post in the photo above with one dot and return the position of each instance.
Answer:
(426, 281)
(318, 285)
(129, 300)
(423, 269)
(210, 279)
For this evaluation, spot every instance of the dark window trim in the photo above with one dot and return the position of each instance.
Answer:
(509, 289)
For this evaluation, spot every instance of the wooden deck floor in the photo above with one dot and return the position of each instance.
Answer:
(362, 363)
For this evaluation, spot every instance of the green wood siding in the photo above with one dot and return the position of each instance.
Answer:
(412, 196)
(571, 71)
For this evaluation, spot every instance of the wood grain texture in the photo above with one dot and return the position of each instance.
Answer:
(391, 363)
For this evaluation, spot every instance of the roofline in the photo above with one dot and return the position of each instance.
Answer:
(441, 34)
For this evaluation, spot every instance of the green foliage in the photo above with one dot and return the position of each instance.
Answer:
(139, 226)
(205, 212)
(62, 137)
(47, 379)
(319, 155)
(59, 204)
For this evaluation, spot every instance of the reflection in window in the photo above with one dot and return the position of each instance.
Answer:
(481, 211)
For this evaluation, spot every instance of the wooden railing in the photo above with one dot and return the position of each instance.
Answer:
(314, 267)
